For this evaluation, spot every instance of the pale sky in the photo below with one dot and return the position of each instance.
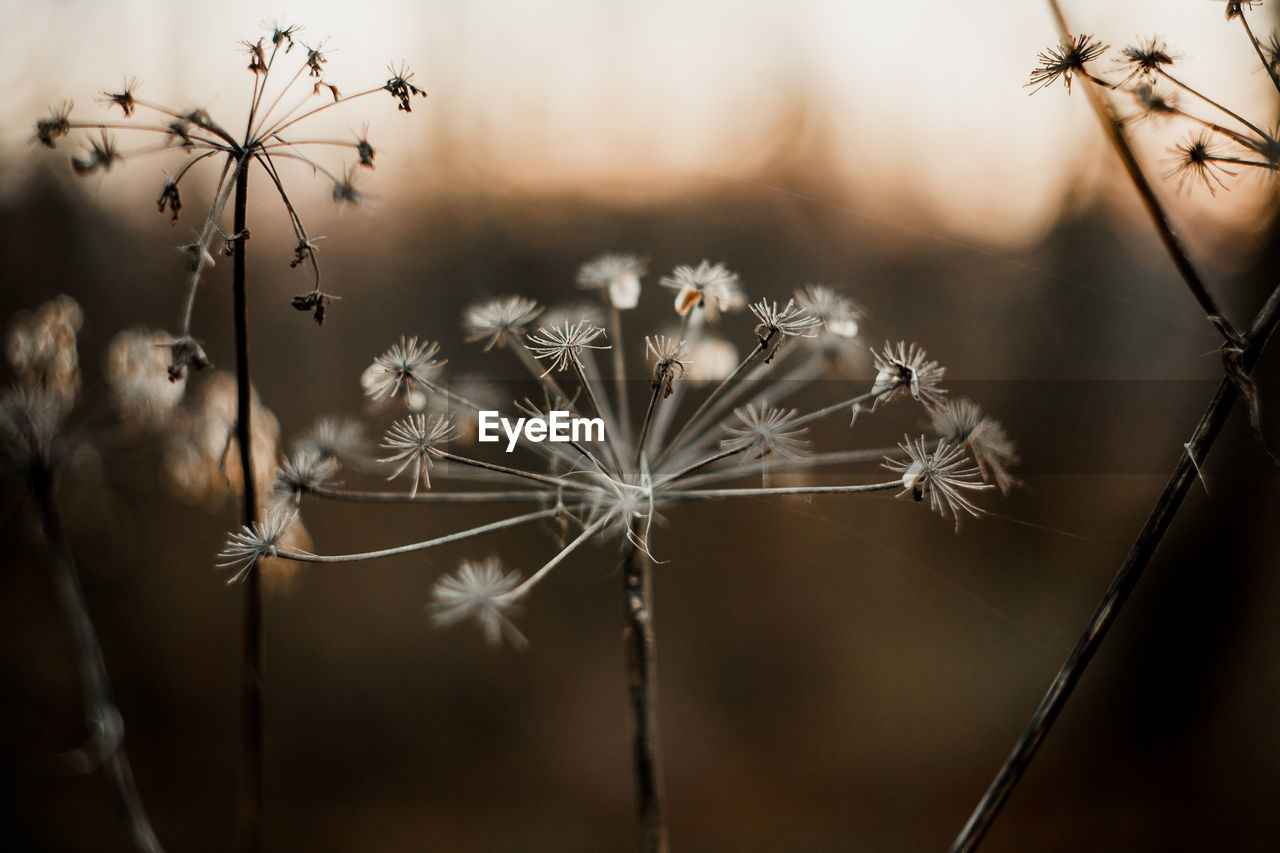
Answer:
(922, 101)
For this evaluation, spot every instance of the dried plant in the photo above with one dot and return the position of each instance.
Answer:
(275, 116)
(696, 433)
(1216, 150)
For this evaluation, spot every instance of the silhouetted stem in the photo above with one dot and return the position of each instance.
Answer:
(654, 394)
(252, 651)
(1114, 131)
(473, 497)
(619, 371)
(1257, 48)
(725, 384)
(100, 708)
(1157, 524)
(642, 682)
(1184, 87)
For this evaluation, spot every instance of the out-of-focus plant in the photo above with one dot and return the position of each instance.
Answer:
(39, 448)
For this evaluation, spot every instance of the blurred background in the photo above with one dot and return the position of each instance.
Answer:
(835, 674)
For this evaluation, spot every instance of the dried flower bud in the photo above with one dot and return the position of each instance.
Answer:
(49, 130)
(401, 88)
(123, 100)
(316, 302)
(616, 274)
(185, 353)
(169, 198)
(102, 154)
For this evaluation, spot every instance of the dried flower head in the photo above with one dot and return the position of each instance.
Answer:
(417, 440)
(479, 591)
(254, 542)
(616, 274)
(790, 321)
(123, 100)
(941, 476)
(1153, 102)
(344, 189)
(317, 302)
(401, 88)
(562, 347)
(1065, 60)
(404, 368)
(339, 439)
(710, 286)
(838, 314)
(1235, 8)
(304, 251)
(962, 423)
(102, 154)
(315, 60)
(364, 150)
(50, 130)
(763, 430)
(257, 55)
(170, 199)
(499, 320)
(283, 34)
(670, 360)
(908, 368)
(303, 472)
(1146, 58)
(185, 354)
(1200, 158)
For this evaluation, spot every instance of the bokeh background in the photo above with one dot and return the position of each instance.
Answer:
(835, 674)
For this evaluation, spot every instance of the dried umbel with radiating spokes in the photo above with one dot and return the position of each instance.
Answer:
(1219, 143)
(281, 103)
(685, 444)
(711, 417)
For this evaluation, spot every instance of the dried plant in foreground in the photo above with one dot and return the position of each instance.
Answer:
(698, 431)
(1209, 156)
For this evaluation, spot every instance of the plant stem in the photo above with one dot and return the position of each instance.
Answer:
(1184, 87)
(304, 557)
(1157, 524)
(472, 497)
(725, 384)
(772, 491)
(619, 371)
(1114, 131)
(100, 707)
(252, 651)
(654, 394)
(1257, 48)
(642, 681)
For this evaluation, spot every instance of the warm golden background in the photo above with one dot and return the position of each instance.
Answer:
(843, 674)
